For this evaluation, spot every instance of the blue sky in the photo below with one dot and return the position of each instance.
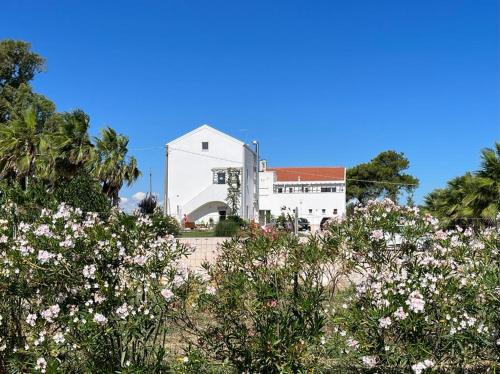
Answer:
(316, 82)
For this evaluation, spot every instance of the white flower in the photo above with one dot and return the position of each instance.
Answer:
(400, 314)
(167, 294)
(211, 290)
(419, 367)
(44, 256)
(89, 271)
(41, 364)
(50, 313)
(185, 359)
(369, 361)
(100, 319)
(416, 302)
(352, 343)
(385, 322)
(122, 311)
(59, 338)
(31, 319)
(377, 235)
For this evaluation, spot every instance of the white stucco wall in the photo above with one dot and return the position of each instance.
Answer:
(249, 179)
(317, 202)
(190, 188)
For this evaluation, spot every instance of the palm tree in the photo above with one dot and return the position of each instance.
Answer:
(485, 199)
(471, 198)
(113, 168)
(22, 148)
(70, 144)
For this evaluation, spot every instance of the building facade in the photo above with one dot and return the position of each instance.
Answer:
(316, 192)
(197, 166)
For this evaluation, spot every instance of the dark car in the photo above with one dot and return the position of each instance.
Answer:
(323, 222)
(304, 224)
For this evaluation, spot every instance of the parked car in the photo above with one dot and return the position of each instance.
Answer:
(323, 222)
(304, 224)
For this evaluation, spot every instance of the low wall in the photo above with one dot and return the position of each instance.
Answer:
(204, 250)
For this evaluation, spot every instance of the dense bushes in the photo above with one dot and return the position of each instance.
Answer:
(262, 305)
(227, 228)
(165, 225)
(383, 290)
(82, 295)
(426, 298)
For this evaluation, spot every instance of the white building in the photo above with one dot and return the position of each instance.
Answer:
(316, 192)
(196, 175)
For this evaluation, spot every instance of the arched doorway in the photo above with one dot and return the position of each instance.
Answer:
(215, 210)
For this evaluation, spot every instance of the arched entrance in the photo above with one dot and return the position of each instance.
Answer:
(214, 209)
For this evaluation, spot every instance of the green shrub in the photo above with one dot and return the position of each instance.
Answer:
(425, 300)
(165, 225)
(226, 228)
(237, 219)
(78, 294)
(84, 192)
(262, 305)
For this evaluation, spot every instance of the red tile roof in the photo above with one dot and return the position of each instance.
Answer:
(308, 174)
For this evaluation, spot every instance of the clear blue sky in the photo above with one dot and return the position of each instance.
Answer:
(316, 82)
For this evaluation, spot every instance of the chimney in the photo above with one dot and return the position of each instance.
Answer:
(263, 165)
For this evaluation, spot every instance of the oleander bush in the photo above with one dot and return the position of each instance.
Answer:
(261, 305)
(383, 290)
(83, 295)
(425, 298)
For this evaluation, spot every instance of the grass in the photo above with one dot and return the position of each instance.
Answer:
(196, 234)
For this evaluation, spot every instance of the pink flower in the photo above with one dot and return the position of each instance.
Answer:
(377, 235)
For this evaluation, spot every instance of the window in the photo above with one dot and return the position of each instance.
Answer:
(310, 211)
(280, 190)
(335, 211)
(306, 189)
(323, 211)
(326, 189)
(290, 189)
(221, 178)
(204, 146)
(334, 189)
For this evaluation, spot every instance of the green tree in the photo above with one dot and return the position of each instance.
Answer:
(471, 198)
(233, 190)
(382, 176)
(22, 148)
(71, 144)
(18, 64)
(148, 205)
(113, 167)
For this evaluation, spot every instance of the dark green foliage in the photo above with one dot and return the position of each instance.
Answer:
(18, 64)
(148, 204)
(237, 219)
(233, 190)
(472, 199)
(84, 192)
(266, 312)
(165, 225)
(383, 176)
(40, 145)
(226, 228)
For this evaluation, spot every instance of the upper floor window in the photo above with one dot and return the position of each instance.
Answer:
(221, 178)
(204, 146)
(335, 211)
